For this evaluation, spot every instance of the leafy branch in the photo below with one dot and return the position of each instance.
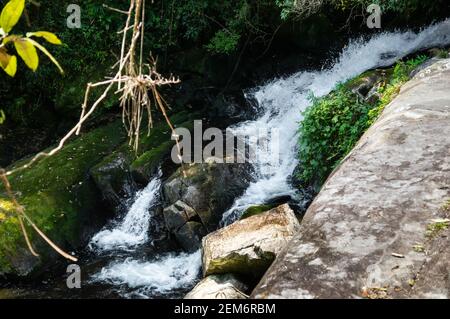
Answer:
(26, 47)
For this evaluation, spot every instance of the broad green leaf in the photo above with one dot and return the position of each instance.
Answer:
(8, 63)
(44, 50)
(27, 52)
(50, 37)
(12, 66)
(2, 120)
(11, 14)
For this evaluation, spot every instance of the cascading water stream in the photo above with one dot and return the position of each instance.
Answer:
(280, 104)
(133, 229)
(282, 101)
(163, 274)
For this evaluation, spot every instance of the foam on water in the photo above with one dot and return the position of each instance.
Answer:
(132, 230)
(159, 276)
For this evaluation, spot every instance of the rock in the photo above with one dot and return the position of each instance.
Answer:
(219, 287)
(256, 209)
(209, 188)
(190, 235)
(250, 245)
(146, 165)
(177, 215)
(61, 199)
(366, 85)
(182, 221)
(377, 205)
(113, 179)
(118, 174)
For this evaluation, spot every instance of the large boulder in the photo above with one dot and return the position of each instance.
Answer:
(118, 175)
(219, 287)
(379, 226)
(209, 188)
(113, 179)
(60, 198)
(250, 245)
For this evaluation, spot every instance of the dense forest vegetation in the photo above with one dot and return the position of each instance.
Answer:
(189, 37)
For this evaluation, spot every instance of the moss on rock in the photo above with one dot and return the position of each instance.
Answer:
(59, 197)
(255, 210)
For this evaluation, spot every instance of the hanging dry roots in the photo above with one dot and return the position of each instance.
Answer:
(138, 94)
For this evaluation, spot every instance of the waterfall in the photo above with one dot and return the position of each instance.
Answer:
(281, 102)
(133, 229)
(142, 278)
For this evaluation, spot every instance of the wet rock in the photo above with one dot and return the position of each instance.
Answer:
(61, 198)
(113, 179)
(190, 235)
(376, 206)
(219, 287)
(209, 188)
(366, 85)
(177, 215)
(256, 209)
(182, 221)
(250, 245)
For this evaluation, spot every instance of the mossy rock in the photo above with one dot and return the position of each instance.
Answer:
(242, 264)
(364, 83)
(255, 210)
(209, 188)
(118, 174)
(60, 198)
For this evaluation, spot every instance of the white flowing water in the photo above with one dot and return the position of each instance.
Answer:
(282, 101)
(168, 273)
(133, 229)
(142, 278)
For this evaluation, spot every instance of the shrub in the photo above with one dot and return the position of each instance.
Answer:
(333, 124)
(329, 130)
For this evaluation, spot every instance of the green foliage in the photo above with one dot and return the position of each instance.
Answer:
(219, 25)
(86, 56)
(223, 42)
(333, 124)
(89, 52)
(389, 90)
(304, 8)
(436, 227)
(329, 130)
(442, 54)
(25, 47)
(286, 7)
